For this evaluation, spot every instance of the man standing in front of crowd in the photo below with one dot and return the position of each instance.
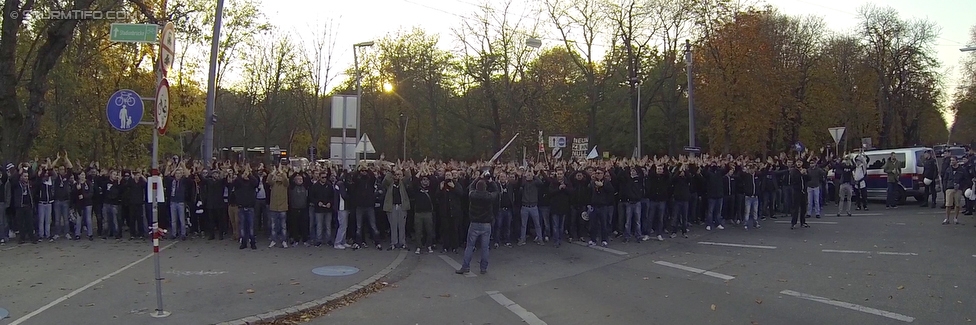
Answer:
(815, 177)
(62, 199)
(362, 189)
(930, 173)
(178, 190)
(480, 205)
(396, 204)
(844, 172)
(631, 193)
(954, 180)
(423, 209)
(560, 196)
(658, 186)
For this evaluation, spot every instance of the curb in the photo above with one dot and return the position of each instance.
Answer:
(275, 314)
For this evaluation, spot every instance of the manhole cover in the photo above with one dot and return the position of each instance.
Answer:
(335, 270)
(4, 313)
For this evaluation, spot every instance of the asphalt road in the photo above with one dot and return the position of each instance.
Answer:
(877, 267)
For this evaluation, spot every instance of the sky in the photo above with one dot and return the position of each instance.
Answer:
(367, 20)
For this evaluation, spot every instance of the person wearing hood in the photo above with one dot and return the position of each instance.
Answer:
(423, 209)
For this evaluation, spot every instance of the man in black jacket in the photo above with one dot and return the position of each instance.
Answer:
(681, 185)
(658, 186)
(363, 188)
(560, 196)
(481, 198)
(22, 202)
(245, 193)
(631, 192)
(177, 189)
(715, 191)
(954, 180)
(423, 209)
(320, 197)
(749, 186)
(602, 201)
(506, 207)
(930, 173)
(580, 184)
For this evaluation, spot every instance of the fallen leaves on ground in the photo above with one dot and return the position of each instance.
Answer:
(446, 295)
(249, 291)
(319, 311)
(901, 287)
(759, 301)
(713, 307)
(295, 283)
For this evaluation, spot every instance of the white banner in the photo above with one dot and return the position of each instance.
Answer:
(581, 147)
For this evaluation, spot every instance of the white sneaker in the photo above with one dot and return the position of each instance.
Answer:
(720, 227)
(271, 245)
(645, 238)
(708, 228)
(284, 244)
(417, 251)
(339, 247)
(430, 250)
(659, 238)
(590, 243)
(604, 244)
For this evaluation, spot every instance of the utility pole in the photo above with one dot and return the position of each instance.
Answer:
(691, 95)
(209, 119)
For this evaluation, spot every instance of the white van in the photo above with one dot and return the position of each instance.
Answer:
(911, 182)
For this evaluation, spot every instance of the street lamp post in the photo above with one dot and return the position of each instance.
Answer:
(691, 96)
(210, 119)
(359, 97)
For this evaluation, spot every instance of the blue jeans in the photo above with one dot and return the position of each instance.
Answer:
(891, 200)
(342, 217)
(813, 201)
(680, 220)
(714, 216)
(632, 211)
(61, 213)
(44, 220)
(655, 219)
(279, 226)
(321, 221)
(177, 212)
(84, 216)
(544, 214)
(503, 226)
(110, 213)
(532, 212)
(245, 221)
(599, 229)
(370, 215)
(752, 210)
(557, 227)
(478, 233)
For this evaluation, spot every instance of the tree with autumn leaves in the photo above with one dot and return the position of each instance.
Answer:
(764, 80)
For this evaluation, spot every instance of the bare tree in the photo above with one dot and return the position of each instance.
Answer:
(316, 73)
(587, 20)
(267, 73)
(496, 44)
(897, 51)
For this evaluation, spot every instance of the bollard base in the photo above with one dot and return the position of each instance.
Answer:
(159, 314)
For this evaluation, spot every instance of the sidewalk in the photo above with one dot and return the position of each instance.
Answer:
(206, 282)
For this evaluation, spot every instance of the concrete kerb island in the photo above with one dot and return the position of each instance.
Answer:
(284, 312)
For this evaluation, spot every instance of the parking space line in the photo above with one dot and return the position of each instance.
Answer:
(526, 316)
(601, 248)
(811, 222)
(736, 245)
(457, 266)
(79, 290)
(848, 305)
(867, 252)
(695, 270)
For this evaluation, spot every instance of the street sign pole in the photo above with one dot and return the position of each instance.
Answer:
(144, 33)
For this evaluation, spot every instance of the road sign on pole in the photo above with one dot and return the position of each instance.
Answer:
(162, 106)
(124, 110)
(134, 33)
(167, 48)
(837, 133)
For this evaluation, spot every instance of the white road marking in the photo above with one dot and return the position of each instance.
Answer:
(812, 222)
(736, 245)
(896, 253)
(196, 272)
(933, 212)
(865, 214)
(695, 270)
(456, 265)
(867, 252)
(601, 248)
(848, 305)
(526, 316)
(900, 223)
(79, 290)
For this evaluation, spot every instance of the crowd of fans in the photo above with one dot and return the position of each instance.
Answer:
(588, 200)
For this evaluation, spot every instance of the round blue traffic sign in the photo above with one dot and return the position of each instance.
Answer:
(335, 270)
(561, 142)
(124, 110)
